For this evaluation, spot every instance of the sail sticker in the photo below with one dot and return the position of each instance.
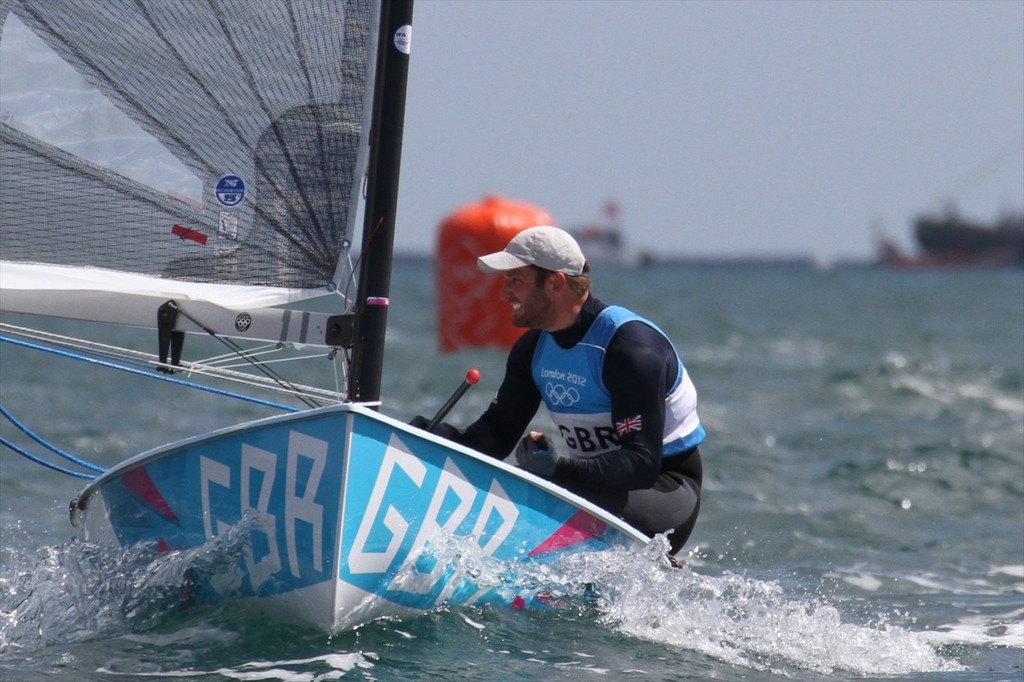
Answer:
(378, 300)
(243, 322)
(230, 190)
(403, 39)
(227, 226)
(186, 233)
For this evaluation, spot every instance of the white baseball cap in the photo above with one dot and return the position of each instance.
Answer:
(544, 246)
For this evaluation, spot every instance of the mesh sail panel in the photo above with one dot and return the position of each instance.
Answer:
(211, 141)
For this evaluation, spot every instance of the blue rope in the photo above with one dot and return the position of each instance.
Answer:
(25, 453)
(150, 375)
(123, 368)
(52, 448)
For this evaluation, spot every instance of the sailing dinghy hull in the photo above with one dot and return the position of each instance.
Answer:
(342, 515)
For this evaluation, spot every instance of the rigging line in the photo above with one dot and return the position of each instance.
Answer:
(264, 383)
(140, 359)
(359, 259)
(49, 446)
(348, 305)
(225, 359)
(223, 363)
(149, 375)
(28, 455)
(257, 350)
(241, 353)
(337, 379)
(254, 380)
(75, 343)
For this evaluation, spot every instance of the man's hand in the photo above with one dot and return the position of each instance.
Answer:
(536, 455)
(444, 429)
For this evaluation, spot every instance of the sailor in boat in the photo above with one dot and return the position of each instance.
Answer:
(621, 401)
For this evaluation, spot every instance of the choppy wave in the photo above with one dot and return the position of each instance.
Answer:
(86, 590)
(755, 623)
(83, 591)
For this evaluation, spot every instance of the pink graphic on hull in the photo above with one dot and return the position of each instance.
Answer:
(580, 527)
(137, 480)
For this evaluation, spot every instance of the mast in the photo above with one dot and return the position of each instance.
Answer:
(388, 118)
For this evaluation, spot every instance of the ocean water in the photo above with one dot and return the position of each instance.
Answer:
(862, 518)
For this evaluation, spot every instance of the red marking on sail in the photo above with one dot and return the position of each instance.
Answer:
(162, 547)
(138, 481)
(581, 526)
(185, 233)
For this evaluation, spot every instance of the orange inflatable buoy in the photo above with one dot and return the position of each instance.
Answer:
(469, 309)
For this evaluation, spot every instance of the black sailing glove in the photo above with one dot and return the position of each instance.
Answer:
(536, 455)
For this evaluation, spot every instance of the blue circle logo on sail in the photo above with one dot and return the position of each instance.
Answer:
(230, 190)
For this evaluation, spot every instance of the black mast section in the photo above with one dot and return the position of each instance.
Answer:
(388, 118)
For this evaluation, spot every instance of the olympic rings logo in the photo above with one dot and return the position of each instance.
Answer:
(561, 395)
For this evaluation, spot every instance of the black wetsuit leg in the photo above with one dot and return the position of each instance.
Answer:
(672, 504)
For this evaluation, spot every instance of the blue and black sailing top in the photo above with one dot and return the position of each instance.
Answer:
(619, 395)
(571, 383)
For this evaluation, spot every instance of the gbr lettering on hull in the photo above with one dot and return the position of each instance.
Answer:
(257, 464)
(382, 517)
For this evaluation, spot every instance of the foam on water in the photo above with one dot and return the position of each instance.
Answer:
(987, 622)
(77, 591)
(754, 623)
(1006, 630)
(334, 667)
(738, 620)
(84, 590)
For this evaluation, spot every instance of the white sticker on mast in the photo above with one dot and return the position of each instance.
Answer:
(403, 39)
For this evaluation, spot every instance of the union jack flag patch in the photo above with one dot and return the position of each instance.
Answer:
(628, 424)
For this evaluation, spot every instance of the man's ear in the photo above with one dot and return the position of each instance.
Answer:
(557, 282)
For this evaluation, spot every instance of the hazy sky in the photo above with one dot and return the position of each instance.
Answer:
(720, 128)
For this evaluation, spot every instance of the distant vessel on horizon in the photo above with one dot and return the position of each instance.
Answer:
(602, 241)
(948, 240)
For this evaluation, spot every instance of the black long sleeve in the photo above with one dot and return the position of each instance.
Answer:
(504, 421)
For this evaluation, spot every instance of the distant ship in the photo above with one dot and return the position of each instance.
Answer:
(602, 241)
(949, 240)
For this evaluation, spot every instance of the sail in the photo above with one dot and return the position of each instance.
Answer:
(209, 151)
